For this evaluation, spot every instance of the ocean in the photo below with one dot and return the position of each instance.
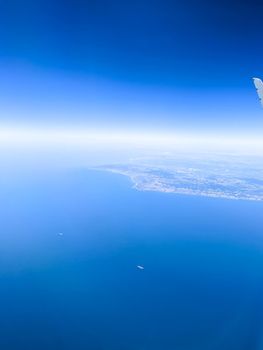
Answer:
(70, 244)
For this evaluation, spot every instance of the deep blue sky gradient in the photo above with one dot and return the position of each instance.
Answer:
(161, 63)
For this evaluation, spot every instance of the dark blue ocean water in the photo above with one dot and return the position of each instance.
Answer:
(202, 287)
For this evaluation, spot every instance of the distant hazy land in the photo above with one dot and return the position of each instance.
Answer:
(221, 176)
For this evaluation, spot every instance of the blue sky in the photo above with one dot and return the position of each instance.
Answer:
(132, 64)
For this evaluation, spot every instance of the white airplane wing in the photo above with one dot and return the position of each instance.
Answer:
(259, 86)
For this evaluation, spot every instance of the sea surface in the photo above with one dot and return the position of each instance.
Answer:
(70, 243)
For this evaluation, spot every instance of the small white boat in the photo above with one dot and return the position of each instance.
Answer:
(140, 267)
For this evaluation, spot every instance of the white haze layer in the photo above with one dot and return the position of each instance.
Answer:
(205, 165)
